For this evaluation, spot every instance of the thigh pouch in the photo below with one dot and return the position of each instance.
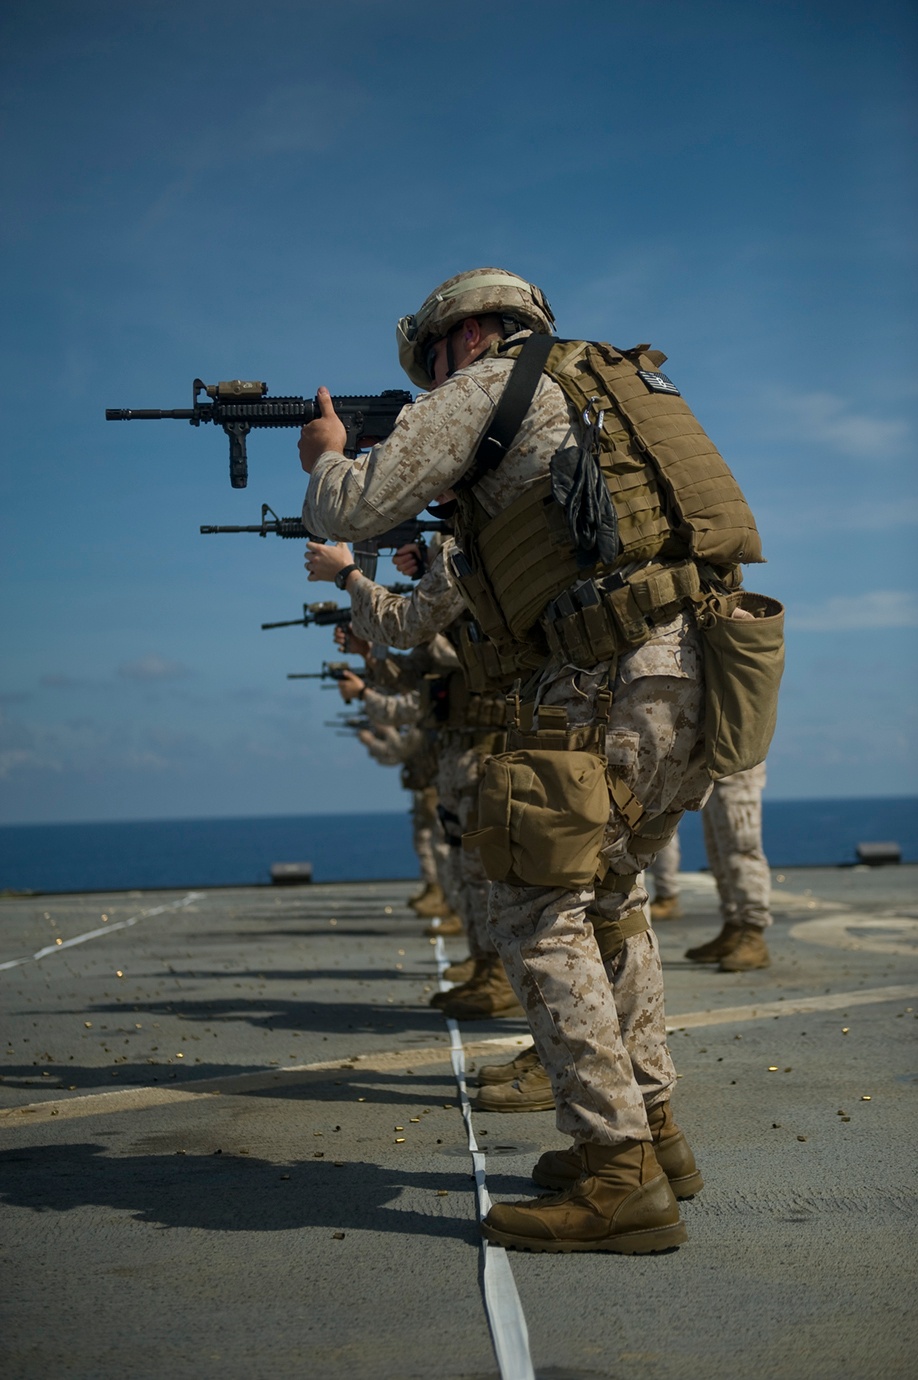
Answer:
(543, 805)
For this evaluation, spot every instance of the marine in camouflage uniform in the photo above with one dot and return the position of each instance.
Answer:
(419, 621)
(565, 949)
(732, 821)
(400, 705)
(664, 869)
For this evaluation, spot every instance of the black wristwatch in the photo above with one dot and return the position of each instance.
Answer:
(342, 577)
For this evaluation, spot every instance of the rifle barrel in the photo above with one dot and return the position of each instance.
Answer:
(147, 414)
(207, 530)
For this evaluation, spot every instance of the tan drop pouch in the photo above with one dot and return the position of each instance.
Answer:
(543, 809)
(743, 663)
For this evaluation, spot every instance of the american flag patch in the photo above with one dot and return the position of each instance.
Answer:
(658, 383)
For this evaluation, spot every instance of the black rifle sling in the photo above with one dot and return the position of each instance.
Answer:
(512, 408)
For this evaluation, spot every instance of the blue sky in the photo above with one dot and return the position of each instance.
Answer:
(224, 190)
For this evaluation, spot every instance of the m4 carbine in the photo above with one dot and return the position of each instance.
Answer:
(365, 550)
(328, 614)
(238, 405)
(344, 725)
(331, 670)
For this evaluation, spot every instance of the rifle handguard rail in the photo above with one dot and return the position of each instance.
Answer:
(238, 405)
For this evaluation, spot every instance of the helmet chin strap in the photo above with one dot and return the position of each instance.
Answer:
(450, 352)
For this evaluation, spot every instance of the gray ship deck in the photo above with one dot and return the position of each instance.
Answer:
(232, 1145)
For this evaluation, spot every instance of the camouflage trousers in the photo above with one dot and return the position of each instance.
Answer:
(599, 1028)
(427, 836)
(665, 870)
(458, 778)
(732, 821)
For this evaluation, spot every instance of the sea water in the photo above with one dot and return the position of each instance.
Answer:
(151, 854)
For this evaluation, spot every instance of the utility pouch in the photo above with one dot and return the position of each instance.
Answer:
(477, 592)
(743, 664)
(543, 806)
(485, 665)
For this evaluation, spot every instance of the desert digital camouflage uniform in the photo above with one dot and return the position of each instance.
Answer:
(402, 708)
(392, 747)
(665, 870)
(384, 744)
(732, 821)
(402, 621)
(427, 836)
(655, 743)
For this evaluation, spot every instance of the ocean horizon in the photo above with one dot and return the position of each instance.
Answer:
(145, 855)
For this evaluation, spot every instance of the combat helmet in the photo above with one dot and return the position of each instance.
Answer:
(478, 292)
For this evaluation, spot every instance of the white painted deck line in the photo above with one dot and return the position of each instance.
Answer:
(138, 1098)
(103, 930)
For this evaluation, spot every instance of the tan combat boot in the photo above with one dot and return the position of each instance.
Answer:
(559, 1168)
(716, 948)
(448, 923)
(529, 1092)
(505, 1073)
(487, 994)
(747, 952)
(461, 971)
(430, 901)
(673, 1152)
(480, 969)
(666, 908)
(622, 1202)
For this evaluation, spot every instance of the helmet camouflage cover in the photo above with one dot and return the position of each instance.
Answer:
(479, 292)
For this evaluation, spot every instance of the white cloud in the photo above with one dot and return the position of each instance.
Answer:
(831, 421)
(152, 667)
(882, 608)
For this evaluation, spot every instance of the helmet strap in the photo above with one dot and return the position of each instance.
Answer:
(450, 353)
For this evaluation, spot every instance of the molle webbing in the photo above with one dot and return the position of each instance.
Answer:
(486, 667)
(526, 556)
(598, 619)
(673, 494)
(447, 702)
(704, 504)
(643, 525)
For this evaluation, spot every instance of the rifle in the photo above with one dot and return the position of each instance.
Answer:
(365, 551)
(325, 615)
(328, 614)
(238, 405)
(331, 670)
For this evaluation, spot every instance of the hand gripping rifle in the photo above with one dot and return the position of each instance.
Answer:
(345, 725)
(365, 551)
(238, 405)
(328, 614)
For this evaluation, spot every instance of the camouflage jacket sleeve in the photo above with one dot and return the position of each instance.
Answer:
(431, 446)
(385, 747)
(396, 710)
(406, 620)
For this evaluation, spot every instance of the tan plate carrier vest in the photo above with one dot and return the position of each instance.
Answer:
(680, 512)
(684, 527)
